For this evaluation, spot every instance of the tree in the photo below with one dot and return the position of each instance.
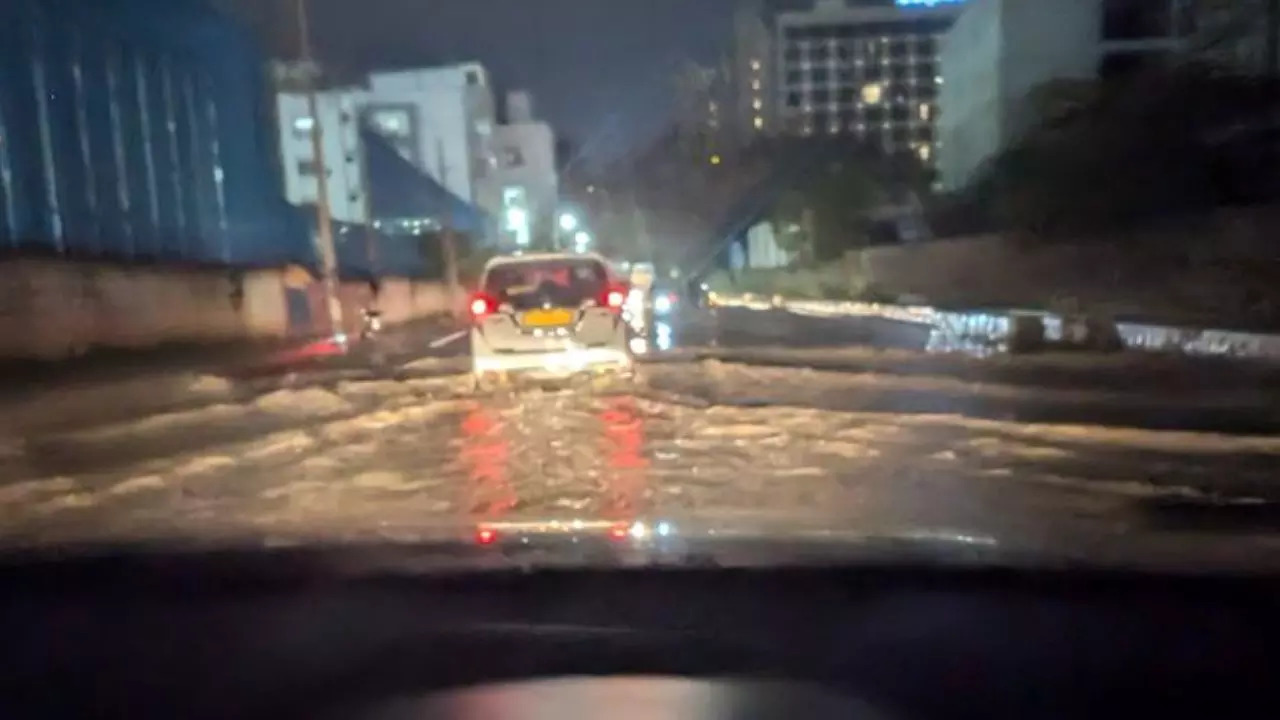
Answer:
(687, 203)
(1123, 152)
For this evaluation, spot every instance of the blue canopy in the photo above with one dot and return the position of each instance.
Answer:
(398, 190)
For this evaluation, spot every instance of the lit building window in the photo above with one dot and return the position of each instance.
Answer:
(755, 65)
(925, 111)
(755, 85)
(758, 122)
(938, 79)
(924, 151)
(872, 93)
(715, 159)
(303, 125)
(757, 103)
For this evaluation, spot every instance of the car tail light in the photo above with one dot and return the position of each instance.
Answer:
(614, 297)
(482, 305)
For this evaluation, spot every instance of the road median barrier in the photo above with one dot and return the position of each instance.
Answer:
(984, 332)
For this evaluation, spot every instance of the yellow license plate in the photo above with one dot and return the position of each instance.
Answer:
(547, 318)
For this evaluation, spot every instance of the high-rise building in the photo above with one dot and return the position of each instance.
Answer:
(750, 65)
(725, 106)
(703, 108)
(867, 70)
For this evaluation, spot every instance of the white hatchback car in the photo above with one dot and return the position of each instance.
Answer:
(548, 315)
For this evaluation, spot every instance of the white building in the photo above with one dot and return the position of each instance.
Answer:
(869, 71)
(999, 51)
(525, 177)
(338, 111)
(442, 120)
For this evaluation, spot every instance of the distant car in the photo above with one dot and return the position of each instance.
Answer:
(546, 315)
(663, 299)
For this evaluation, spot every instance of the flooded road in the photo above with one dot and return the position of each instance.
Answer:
(370, 457)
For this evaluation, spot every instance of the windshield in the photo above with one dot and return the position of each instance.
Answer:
(981, 275)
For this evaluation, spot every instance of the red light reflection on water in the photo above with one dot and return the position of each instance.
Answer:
(622, 446)
(486, 452)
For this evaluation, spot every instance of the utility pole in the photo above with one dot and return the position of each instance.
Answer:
(324, 221)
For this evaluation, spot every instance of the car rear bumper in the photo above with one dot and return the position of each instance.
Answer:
(556, 363)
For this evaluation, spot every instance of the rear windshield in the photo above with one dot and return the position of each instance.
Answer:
(568, 282)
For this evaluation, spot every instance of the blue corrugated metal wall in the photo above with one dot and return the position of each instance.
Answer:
(365, 252)
(136, 129)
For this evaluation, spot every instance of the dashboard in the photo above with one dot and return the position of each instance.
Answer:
(301, 634)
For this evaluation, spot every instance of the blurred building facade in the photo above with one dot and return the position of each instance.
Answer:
(525, 176)
(867, 70)
(441, 120)
(752, 82)
(338, 114)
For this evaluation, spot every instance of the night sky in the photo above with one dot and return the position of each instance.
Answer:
(600, 70)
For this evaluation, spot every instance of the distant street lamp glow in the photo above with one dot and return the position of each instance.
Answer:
(568, 222)
(581, 240)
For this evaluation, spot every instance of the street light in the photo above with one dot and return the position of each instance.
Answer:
(568, 222)
(581, 240)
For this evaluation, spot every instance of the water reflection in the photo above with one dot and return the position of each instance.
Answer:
(554, 455)
(984, 333)
(486, 454)
(622, 446)
(664, 338)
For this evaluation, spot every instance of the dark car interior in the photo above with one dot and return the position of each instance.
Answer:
(310, 633)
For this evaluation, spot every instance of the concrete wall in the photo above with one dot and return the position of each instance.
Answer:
(52, 309)
(1219, 270)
